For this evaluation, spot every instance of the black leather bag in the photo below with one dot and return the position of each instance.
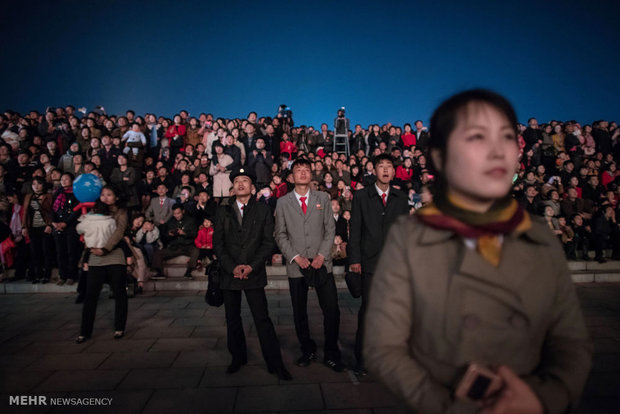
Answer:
(354, 283)
(214, 296)
(315, 277)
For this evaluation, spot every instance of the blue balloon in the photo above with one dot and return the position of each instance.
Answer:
(87, 188)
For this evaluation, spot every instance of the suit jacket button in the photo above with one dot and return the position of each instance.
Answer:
(471, 321)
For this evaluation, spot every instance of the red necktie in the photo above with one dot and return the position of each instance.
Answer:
(383, 197)
(242, 208)
(161, 202)
(304, 207)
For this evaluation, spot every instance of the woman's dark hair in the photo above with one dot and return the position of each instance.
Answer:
(120, 202)
(70, 175)
(41, 181)
(445, 117)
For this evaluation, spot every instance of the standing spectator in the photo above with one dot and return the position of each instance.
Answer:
(260, 162)
(374, 210)
(606, 234)
(422, 136)
(67, 241)
(37, 226)
(220, 171)
(176, 136)
(204, 241)
(453, 283)
(126, 179)
(305, 233)
(103, 230)
(243, 240)
(21, 247)
(160, 208)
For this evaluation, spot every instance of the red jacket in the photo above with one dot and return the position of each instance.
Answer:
(403, 174)
(176, 130)
(204, 240)
(281, 190)
(408, 139)
(288, 146)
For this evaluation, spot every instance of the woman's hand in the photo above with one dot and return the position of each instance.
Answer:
(515, 398)
(97, 252)
(48, 229)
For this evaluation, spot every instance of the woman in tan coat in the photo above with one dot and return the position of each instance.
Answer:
(473, 280)
(220, 172)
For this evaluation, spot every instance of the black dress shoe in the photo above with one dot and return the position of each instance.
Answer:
(283, 374)
(306, 359)
(335, 365)
(233, 367)
(81, 339)
(35, 281)
(360, 370)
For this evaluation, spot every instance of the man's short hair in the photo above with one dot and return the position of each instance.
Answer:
(300, 162)
(383, 157)
(177, 206)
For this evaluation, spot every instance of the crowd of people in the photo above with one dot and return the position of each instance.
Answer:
(567, 174)
(176, 187)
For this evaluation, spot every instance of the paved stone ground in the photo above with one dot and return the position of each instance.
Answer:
(174, 356)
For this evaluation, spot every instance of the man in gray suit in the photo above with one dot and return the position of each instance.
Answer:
(305, 232)
(160, 208)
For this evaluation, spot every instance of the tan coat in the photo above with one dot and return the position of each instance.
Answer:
(436, 305)
(221, 179)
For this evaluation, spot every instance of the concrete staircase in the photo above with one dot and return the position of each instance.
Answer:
(581, 271)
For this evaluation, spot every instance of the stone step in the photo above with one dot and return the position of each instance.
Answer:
(581, 272)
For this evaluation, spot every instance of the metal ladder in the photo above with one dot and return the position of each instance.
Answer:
(341, 144)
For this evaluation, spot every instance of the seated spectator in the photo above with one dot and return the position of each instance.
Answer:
(582, 238)
(593, 191)
(147, 239)
(179, 235)
(531, 201)
(553, 201)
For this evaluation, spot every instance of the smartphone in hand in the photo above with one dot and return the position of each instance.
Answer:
(478, 383)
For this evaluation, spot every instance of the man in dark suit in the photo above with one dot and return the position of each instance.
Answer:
(374, 209)
(243, 239)
(305, 231)
(422, 136)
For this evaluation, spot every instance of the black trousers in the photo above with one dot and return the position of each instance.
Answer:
(21, 259)
(116, 277)
(41, 253)
(361, 317)
(328, 300)
(170, 252)
(269, 344)
(68, 251)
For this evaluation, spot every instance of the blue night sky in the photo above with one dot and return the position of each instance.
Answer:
(384, 61)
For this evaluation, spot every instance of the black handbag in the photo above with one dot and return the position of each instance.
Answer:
(354, 283)
(315, 277)
(214, 296)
